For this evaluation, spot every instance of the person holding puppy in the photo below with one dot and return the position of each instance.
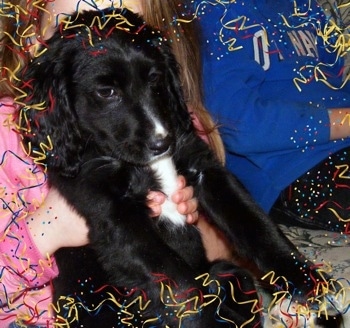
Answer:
(35, 220)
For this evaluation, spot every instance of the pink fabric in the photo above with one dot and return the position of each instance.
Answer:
(25, 290)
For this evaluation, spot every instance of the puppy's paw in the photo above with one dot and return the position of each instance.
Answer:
(167, 177)
(170, 213)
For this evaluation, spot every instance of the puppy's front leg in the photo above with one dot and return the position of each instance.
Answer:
(166, 174)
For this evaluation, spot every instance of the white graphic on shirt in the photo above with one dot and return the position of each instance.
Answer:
(261, 49)
(304, 43)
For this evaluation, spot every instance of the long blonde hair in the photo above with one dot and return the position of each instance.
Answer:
(20, 22)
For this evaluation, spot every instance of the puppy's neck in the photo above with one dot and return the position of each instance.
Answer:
(166, 173)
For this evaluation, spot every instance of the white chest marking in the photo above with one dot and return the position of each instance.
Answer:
(166, 172)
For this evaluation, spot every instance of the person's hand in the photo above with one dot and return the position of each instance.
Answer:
(183, 197)
(55, 224)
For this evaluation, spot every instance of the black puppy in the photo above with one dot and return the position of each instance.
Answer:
(115, 114)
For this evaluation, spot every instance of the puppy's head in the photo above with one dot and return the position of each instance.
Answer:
(109, 86)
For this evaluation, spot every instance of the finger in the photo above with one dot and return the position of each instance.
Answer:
(154, 201)
(154, 198)
(156, 210)
(183, 195)
(181, 182)
(188, 207)
(192, 218)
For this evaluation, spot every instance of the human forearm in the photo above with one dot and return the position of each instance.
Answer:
(55, 224)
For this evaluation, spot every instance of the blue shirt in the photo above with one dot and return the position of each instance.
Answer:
(269, 87)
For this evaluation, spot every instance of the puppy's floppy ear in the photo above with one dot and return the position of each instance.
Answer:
(48, 118)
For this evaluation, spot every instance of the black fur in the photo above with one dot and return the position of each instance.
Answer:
(102, 90)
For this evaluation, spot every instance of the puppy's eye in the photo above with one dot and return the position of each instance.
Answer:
(154, 77)
(107, 92)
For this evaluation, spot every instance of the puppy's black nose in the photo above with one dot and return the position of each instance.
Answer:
(160, 144)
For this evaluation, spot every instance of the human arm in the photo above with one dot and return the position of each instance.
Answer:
(252, 89)
(252, 120)
(55, 224)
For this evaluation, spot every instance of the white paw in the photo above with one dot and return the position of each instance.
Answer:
(167, 175)
(170, 213)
